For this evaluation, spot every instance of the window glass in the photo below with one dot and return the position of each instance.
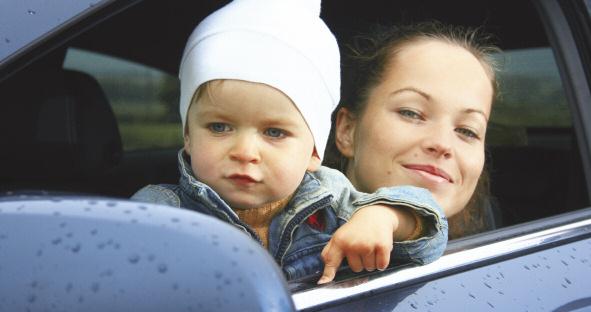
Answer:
(530, 99)
(144, 99)
(533, 158)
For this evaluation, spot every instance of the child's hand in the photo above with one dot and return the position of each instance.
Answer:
(366, 240)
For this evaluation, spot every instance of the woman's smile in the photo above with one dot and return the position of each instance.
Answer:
(430, 172)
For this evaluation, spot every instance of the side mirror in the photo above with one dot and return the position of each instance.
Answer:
(96, 254)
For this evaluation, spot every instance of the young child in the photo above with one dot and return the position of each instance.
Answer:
(259, 80)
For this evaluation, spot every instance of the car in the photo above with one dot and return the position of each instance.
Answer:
(89, 96)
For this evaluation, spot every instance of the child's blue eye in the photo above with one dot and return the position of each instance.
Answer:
(218, 127)
(275, 133)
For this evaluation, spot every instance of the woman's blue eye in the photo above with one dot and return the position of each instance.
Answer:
(409, 113)
(275, 133)
(467, 133)
(218, 127)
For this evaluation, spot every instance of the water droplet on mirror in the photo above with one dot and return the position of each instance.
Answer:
(31, 12)
(162, 268)
(76, 248)
(95, 287)
(133, 259)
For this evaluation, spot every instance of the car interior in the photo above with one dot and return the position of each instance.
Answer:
(70, 125)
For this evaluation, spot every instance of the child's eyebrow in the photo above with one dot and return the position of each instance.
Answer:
(211, 112)
(278, 121)
(269, 121)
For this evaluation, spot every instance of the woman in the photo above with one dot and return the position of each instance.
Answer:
(415, 107)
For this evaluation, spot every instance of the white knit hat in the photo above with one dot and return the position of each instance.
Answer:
(281, 43)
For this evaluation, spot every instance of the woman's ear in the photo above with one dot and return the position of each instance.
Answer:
(345, 132)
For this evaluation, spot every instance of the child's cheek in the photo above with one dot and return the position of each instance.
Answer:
(202, 163)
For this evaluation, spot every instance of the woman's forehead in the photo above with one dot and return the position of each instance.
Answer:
(442, 71)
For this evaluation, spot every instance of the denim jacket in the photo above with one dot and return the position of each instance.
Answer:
(296, 244)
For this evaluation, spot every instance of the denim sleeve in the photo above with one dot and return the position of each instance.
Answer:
(158, 195)
(427, 248)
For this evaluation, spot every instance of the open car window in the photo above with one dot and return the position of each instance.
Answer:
(144, 99)
(93, 110)
(533, 156)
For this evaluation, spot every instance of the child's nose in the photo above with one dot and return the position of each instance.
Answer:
(245, 149)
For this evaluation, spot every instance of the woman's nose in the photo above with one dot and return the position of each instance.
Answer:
(245, 149)
(438, 144)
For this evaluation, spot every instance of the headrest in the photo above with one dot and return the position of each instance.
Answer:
(76, 130)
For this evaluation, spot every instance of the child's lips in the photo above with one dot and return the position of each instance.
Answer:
(242, 179)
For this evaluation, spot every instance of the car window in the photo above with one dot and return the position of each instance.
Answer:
(533, 155)
(144, 99)
(530, 99)
(529, 134)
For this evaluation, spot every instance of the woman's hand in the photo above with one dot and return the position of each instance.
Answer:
(366, 240)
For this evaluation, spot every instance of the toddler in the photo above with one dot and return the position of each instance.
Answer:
(259, 80)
